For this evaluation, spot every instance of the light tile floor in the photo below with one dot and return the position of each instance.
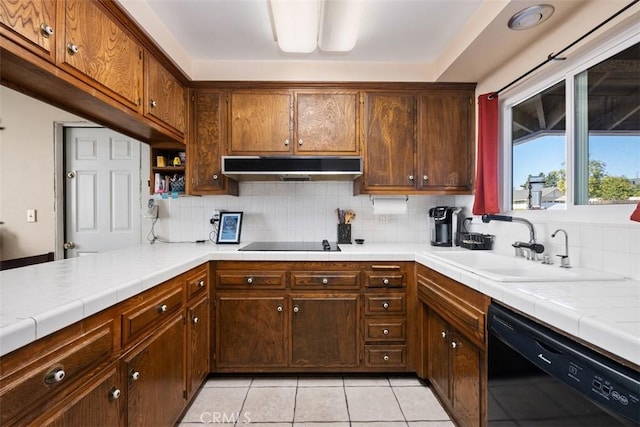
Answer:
(314, 401)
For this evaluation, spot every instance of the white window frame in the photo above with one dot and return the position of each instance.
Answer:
(576, 62)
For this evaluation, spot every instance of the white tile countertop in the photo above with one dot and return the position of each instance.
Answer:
(38, 300)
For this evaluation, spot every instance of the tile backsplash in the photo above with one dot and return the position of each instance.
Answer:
(306, 211)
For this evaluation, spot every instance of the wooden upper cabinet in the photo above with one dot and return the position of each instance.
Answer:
(31, 24)
(260, 122)
(165, 98)
(206, 144)
(326, 123)
(446, 140)
(97, 49)
(389, 135)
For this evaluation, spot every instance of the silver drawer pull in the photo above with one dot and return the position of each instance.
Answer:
(286, 142)
(114, 393)
(296, 309)
(215, 177)
(55, 376)
(162, 308)
(195, 320)
(443, 334)
(385, 281)
(153, 103)
(72, 49)
(385, 357)
(454, 344)
(385, 305)
(325, 281)
(46, 30)
(201, 284)
(134, 375)
(280, 308)
(250, 280)
(385, 331)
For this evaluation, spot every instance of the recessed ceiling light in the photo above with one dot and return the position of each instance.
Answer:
(530, 17)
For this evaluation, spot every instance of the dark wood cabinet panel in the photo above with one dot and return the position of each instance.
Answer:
(438, 344)
(95, 46)
(155, 376)
(165, 97)
(326, 123)
(198, 324)
(390, 141)
(31, 24)
(466, 377)
(324, 331)
(445, 148)
(251, 331)
(206, 144)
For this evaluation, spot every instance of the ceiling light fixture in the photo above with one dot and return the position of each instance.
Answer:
(530, 17)
(302, 25)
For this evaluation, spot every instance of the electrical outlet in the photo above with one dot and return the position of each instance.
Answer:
(215, 217)
(31, 215)
(384, 219)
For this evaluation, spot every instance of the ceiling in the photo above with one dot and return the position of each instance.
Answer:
(402, 40)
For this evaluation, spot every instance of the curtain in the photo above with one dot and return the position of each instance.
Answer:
(486, 194)
(635, 216)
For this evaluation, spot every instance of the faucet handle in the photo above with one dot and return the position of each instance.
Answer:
(564, 261)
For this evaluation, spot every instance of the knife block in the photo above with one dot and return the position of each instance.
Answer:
(344, 233)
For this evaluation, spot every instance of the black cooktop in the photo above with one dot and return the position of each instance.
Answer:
(323, 246)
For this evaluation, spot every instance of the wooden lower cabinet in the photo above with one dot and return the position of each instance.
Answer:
(155, 377)
(98, 404)
(251, 331)
(198, 324)
(324, 331)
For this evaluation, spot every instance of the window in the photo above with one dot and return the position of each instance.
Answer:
(603, 167)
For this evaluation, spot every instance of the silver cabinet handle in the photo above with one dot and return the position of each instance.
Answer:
(153, 104)
(46, 30)
(201, 284)
(162, 308)
(55, 376)
(249, 280)
(296, 309)
(385, 305)
(411, 178)
(134, 375)
(286, 142)
(300, 142)
(325, 281)
(114, 393)
(195, 320)
(425, 177)
(385, 281)
(385, 357)
(215, 176)
(385, 331)
(72, 48)
(454, 344)
(280, 308)
(443, 334)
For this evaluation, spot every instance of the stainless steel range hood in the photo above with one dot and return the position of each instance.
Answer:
(292, 168)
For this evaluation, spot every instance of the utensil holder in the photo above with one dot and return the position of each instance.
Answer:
(344, 233)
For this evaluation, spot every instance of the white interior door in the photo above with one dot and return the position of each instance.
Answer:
(102, 191)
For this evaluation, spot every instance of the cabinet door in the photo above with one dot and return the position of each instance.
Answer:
(438, 355)
(389, 142)
(155, 375)
(31, 24)
(95, 46)
(251, 331)
(326, 123)
(261, 123)
(165, 96)
(97, 404)
(205, 145)
(197, 345)
(466, 380)
(324, 331)
(445, 142)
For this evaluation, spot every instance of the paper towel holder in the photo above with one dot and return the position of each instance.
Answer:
(372, 198)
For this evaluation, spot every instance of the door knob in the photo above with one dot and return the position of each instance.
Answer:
(69, 245)
(71, 174)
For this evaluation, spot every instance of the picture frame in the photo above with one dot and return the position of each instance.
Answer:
(229, 228)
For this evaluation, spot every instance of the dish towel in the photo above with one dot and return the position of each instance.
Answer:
(635, 216)
(485, 200)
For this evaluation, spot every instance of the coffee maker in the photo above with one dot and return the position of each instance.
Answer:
(444, 224)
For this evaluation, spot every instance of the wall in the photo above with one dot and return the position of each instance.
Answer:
(298, 211)
(27, 174)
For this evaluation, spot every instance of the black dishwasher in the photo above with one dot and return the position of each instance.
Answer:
(537, 377)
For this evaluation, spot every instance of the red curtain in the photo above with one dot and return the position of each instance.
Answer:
(486, 194)
(635, 216)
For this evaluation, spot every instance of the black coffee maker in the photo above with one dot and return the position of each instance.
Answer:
(443, 225)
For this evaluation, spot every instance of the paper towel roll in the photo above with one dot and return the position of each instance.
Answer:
(394, 206)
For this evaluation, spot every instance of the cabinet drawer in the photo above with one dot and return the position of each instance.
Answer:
(385, 330)
(383, 356)
(197, 282)
(378, 304)
(49, 376)
(384, 279)
(148, 315)
(251, 279)
(325, 280)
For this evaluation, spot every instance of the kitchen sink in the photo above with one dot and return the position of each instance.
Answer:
(502, 268)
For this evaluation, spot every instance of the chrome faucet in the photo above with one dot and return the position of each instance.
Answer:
(528, 250)
(564, 259)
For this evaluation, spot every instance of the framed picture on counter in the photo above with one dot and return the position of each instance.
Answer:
(229, 228)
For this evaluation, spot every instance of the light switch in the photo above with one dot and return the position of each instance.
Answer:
(31, 215)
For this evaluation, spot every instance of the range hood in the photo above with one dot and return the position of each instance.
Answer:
(292, 168)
